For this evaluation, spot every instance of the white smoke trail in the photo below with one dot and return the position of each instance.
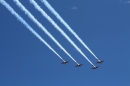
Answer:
(43, 28)
(57, 27)
(28, 27)
(67, 26)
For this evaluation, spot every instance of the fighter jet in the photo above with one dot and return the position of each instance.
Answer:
(65, 62)
(95, 67)
(78, 65)
(100, 62)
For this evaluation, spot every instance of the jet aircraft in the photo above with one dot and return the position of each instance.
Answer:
(78, 65)
(100, 62)
(65, 62)
(95, 67)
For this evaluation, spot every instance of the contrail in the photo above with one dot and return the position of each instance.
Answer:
(58, 28)
(67, 26)
(28, 27)
(43, 28)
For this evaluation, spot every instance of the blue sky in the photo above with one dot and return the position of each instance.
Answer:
(104, 25)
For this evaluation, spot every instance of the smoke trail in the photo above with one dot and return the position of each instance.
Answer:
(57, 27)
(67, 26)
(43, 28)
(28, 27)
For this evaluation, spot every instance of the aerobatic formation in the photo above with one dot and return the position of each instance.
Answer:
(44, 14)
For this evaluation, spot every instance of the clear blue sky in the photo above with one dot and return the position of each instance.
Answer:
(104, 25)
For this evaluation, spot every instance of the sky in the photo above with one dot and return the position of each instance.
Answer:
(104, 25)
